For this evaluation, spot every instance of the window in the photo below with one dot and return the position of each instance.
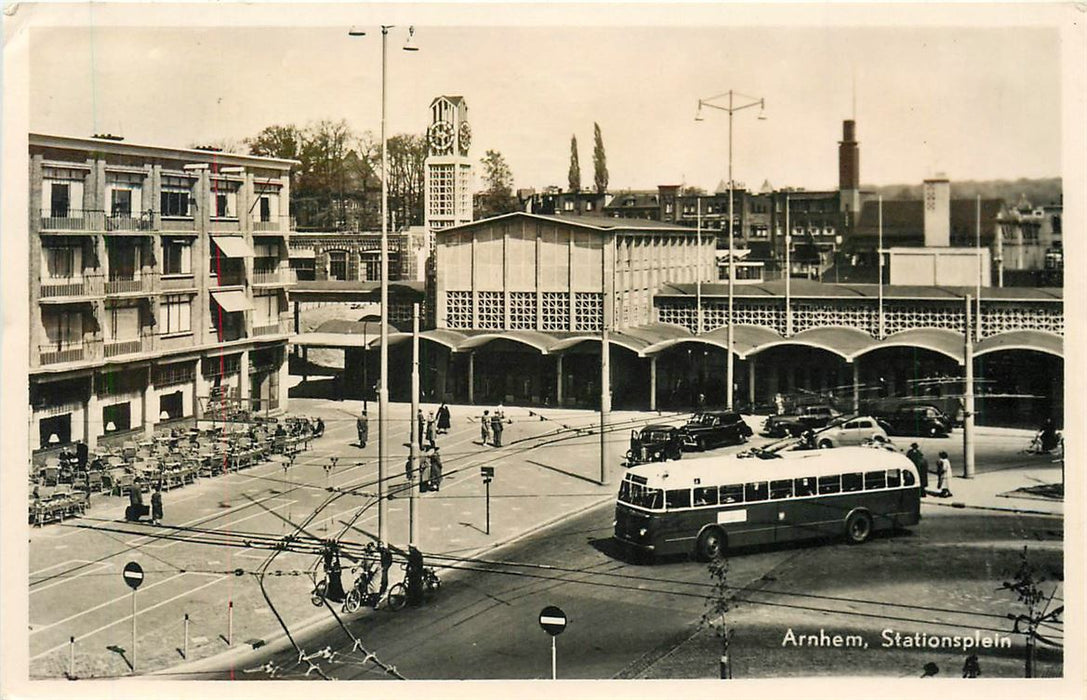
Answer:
(177, 257)
(121, 202)
(830, 484)
(175, 202)
(62, 262)
(705, 496)
(176, 314)
(222, 207)
(733, 493)
(123, 322)
(124, 261)
(893, 478)
(781, 488)
(225, 196)
(756, 491)
(568, 205)
(677, 498)
(265, 309)
(875, 480)
(60, 199)
(265, 209)
(63, 329)
(173, 405)
(337, 265)
(804, 486)
(61, 426)
(852, 481)
(907, 478)
(118, 415)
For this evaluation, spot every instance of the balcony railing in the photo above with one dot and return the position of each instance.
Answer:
(227, 334)
(72, 220)
(224, 224)
(128, 285)
(55, 353)
(70, 287)
(113, 348)
(270, 328)
(176, 282)
(273, 275)
(139, 221)
(178, 223)
(228, 278)
(276, 225)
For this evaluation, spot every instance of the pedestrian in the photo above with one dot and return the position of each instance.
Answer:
(919, 461)
(443, 419)
(431, 431)
(135, 501)
(496, 428)
(485, 427)
(435, 471)
(156, 505)
(413, 576)
(424, 473)
(363, 427)
(422, 427)
(82, 453)
(943, 474)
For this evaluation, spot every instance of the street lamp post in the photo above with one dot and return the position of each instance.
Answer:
(730, 109)
(383, 386)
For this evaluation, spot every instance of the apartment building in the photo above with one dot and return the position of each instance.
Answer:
(158, 286)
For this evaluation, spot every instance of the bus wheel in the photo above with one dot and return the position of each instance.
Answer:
(711, 544)
(858, 527)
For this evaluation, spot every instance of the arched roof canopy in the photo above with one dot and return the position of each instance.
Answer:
(843, 341)
(533, 339)
(938, 340)
(746, 339)
(1038, 341)
(633, 344)
(443, 336)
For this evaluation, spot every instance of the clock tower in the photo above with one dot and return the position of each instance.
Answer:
(448, 167)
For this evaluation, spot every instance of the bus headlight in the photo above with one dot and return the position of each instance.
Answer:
(642, 532)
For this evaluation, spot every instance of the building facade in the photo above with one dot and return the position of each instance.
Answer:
(158, 286)
(448, 177)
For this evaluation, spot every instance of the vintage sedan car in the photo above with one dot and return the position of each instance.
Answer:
(655, 443)
(858, 431)
(803, 418)
(918, 419)
(713, 428)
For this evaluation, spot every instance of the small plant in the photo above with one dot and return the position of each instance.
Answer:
(718, 604)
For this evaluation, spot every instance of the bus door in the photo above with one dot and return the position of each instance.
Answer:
(793, 509)
(757, 521)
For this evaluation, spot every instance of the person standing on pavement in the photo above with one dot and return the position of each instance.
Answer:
(156, 506)
(363, 426)
(422, 427)
(943, 474)
(919, 461)
(443, 419)
(485, 427)
(496, 428)
(431, 431)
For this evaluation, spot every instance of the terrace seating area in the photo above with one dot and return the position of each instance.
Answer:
(61, 487)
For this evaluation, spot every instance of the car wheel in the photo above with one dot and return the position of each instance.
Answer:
(700, 443)
(825, 444)
(711, 544)
(858, 527)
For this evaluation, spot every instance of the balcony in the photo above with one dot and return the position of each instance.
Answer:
(270, 328)
(67, 219)
(277, 224)
(128, 285)
(56, 353)
(128, 346)
(178, 223)
(224, 224)
(68, 288)
(140, 221)
(177, 283)
(227, 278)
(272, 275)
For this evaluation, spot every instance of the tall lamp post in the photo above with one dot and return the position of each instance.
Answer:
(383, 386)
(732, 107)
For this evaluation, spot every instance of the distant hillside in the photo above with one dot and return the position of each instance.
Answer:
(1037, 192)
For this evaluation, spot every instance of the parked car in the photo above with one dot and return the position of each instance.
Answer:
(713, 428)
(803, 418)
(852, 432)
(918, 419)
(655, 443)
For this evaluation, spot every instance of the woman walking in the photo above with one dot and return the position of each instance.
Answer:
(443, 419)
(943, 474)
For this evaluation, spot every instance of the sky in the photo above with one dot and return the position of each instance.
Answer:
(963, 98)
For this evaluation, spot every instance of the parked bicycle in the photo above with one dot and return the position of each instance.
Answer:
(398, 593)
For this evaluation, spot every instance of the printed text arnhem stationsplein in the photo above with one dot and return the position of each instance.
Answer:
(890, 639)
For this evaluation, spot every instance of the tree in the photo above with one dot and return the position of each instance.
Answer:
(407, 158)
(600, 161)
(718, 604)
(575, 166)
(497, 195)
(1027, 585)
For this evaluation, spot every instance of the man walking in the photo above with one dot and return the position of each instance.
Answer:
(919, 461)
(496, 428)
(156, 506)
(363, 426)
(431, 431)
(485, 427)
(422, 427)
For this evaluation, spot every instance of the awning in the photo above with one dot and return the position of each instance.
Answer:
(303, 253)
(233, 246)
(232, 301)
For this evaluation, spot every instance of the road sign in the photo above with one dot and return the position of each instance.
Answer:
(553, 620)
(486, 472)
(133, 575)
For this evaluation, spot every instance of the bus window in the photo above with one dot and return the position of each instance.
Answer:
(893, 478)
(907, 478)
(830, 484)
(677, 498)
(875, 480)
(853, 481)
(705, 496)
(804, 487)
(733, 493)
(782, 488)
(756, 491)
(638, 495)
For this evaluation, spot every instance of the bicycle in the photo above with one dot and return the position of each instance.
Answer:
(362, 592)
(398, 593)
(1037, 448)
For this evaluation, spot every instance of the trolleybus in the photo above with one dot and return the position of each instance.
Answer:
(709, 505)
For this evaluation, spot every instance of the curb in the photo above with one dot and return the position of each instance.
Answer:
(279, 641)
(1024, 511)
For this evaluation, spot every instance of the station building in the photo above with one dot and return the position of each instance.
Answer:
(158, 283)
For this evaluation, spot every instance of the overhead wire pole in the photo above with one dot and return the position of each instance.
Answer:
(606, 312)
(879, 252)
(731, 109)
(788, 273)
(413, 471)
(977, 227)
(968, 398)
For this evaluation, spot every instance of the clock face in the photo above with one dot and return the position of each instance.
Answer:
(440, 136)
(465, 137)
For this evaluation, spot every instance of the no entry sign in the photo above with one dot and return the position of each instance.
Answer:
(553, 620)
(133, 575)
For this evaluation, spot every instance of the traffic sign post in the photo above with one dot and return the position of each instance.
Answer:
(133, 576)
(553, 621)
(488, 474)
